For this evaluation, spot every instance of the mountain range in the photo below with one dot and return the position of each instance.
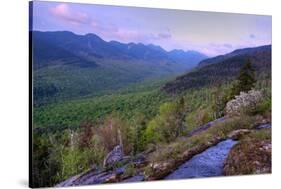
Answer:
(64, 45)
(68, 65)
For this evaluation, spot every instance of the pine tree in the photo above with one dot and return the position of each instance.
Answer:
(245, 81)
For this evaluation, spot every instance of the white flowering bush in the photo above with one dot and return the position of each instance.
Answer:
(244, 103)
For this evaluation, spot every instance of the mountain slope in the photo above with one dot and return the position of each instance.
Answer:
(66, 65)
(192, 57)
(223, 68)
(252, 52)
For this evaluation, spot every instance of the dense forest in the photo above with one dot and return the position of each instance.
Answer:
(76, 123)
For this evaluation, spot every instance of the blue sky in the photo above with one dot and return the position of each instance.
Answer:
(208, 32)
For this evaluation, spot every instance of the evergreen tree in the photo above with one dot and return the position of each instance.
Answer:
(245, 81)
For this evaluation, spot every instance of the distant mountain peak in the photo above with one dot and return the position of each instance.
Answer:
(177, 51)
(93, 45)
(94, 37)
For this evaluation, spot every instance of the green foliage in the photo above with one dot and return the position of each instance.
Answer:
(222, 70)
(222, 95)
(56, 157)
(136, 136)
(63, 82)
(245, 81)
(151, 134)
(40, 165)
(110, 131)
(76, 160)
(148, 117)
(169, 123)
(206, 76)
(231, 124)
(220, 130)
(198, 117)
(70, 114)
(263, 107)
(65, 144)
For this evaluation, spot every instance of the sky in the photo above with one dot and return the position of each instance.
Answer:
(208, 32)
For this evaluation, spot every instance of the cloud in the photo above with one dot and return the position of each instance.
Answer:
(111, 32)
(140, 36)
(226, 45)
(214, 49)
(105, 28)
(128, 35)
(63, 12)
(99, 26)
(166, 35)
(252, 36)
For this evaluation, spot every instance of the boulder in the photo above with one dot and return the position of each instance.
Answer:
(139, 160)
(114, 156)
(235, 135)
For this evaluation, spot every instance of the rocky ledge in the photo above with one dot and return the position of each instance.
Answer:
(118, 168)
(249, 157)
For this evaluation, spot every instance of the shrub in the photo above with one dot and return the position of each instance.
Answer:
(169, 123)
(233, 123)
(197, 118)
(86, 134)
(43, 169)
(221, 96)
(137, 130)
(77, 160)
(108, 132)
(151, 133)
(263, 107)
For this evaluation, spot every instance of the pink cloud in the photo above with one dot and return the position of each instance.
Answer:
(130, 35)
(105, 29)
(63, 12)
(98, 26)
